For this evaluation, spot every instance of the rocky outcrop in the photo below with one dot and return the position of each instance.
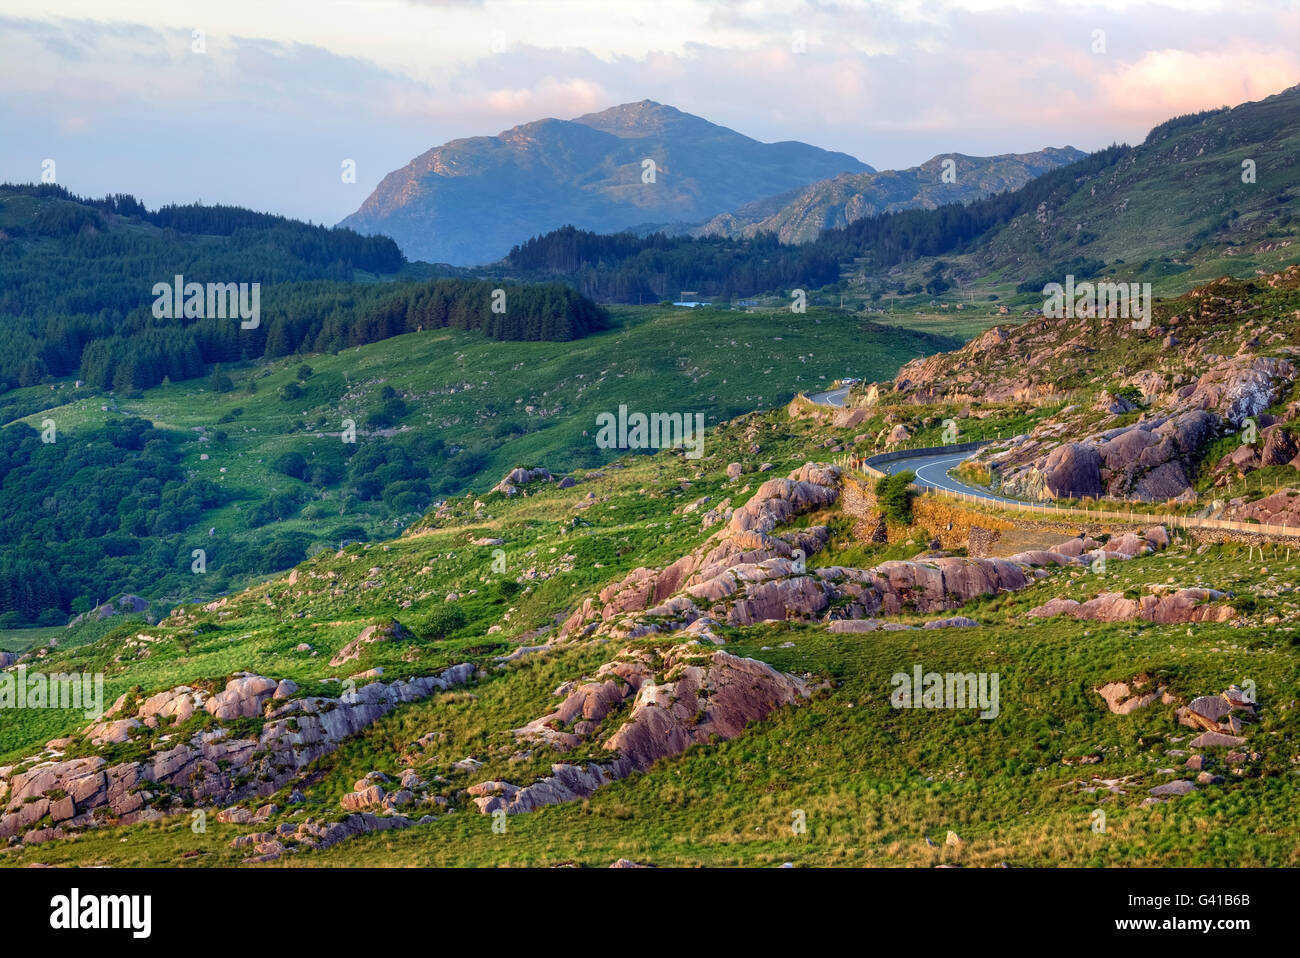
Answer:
(1125, 697)
(1182, 605)
(210, 766)
(1218, 378)
(122, 605)
(747, 573)
(242, 697)
(706, 574)
(517, 477)
(1240, 387)
(312, 835)
(389, 630)
(1071, 470)
(1220, 716)
(1152, 460)
(1281, 508)
(706, 694)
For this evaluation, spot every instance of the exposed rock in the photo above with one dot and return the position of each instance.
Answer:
(952, 622)
(1184, 605)
(1073, 469)
(1214, 739)
(242, 698)
(367, 797)
(211, 767)
(1122, 699)
(518, 477)
(1178, 787)
(389, 630)
(707, 694)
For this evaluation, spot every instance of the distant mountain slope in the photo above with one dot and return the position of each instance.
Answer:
(1205, 194)
(1182, 193)
(469, 200)
(799, 215)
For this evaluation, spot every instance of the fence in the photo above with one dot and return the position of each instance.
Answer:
(1131, 515)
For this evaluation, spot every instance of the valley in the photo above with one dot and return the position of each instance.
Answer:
(631, 491)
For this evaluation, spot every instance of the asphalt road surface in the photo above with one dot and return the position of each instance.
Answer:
(932, 470)
(833, 397)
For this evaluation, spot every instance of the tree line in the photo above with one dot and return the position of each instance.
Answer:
(628, 268)
(77, 295)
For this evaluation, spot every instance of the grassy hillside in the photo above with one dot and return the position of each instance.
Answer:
(1175, 211)
(468, 410)
(876, 786)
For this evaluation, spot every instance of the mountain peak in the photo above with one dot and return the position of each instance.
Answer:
(470, 200)
(642, 118)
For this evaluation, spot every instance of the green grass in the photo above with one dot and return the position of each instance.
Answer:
(509, 403)
(20, 640)
(873, 782)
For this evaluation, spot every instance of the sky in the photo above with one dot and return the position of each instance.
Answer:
(261, 102)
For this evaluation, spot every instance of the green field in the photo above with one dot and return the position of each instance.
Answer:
(874, 784)
(494, 404)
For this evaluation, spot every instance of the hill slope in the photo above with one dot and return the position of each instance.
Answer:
(1179, 203)
(469, 200)
(800, 215)
(641, 666)
(260, 462)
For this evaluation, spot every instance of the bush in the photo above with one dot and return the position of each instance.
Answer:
(445, 620)
(894, 498)
(291, 464)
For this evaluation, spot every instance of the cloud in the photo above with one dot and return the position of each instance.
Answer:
(284, 91)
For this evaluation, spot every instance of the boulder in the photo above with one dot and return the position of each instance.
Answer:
(1215, 739)
(1072, 469)
(384, 631)
(1177, 787)
(242, 698)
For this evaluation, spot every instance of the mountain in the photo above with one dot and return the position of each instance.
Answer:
(1217, 187)
(470, 200)
(1203, 195)
(799, 215)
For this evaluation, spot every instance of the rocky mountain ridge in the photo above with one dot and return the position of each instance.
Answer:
(469, 200)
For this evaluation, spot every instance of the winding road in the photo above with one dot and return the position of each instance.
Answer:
(833, 397)
(931, 469)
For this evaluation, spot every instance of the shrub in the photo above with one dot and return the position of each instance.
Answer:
(445, 620)
(291, 464)
(894, 497)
